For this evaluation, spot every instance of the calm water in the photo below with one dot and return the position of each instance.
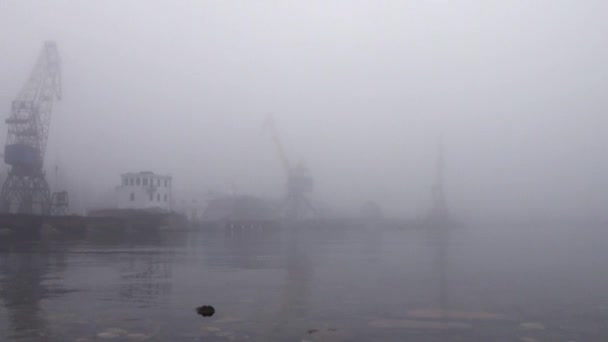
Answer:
(477, 284)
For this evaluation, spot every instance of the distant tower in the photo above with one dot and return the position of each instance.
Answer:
(439, 209)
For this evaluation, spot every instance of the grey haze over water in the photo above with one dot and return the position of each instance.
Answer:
(360, 90)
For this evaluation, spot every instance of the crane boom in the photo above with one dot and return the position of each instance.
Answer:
(299, 182)
(279, 146)
(30, 117)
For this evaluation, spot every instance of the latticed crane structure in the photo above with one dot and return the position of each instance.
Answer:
(439, 208)
(25, 189)
(296, 204)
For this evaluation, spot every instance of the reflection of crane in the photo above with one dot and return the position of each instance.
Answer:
(293, 299)
(299, 180)
(26, 190)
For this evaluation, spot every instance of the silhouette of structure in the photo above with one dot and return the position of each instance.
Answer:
(296, 204)
(439, 209)
(25, 189)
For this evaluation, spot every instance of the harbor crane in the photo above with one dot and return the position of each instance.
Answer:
(25, 190)
(439, 209)
(296, 204)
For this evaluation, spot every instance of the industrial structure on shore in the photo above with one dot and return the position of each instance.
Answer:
(299, 184)
(147, 196)
(145, 190)
(25, 190)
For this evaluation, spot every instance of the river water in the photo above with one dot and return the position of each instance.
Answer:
(480, 283)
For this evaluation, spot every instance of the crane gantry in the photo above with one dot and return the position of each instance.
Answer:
(25, 189)
(296, 204)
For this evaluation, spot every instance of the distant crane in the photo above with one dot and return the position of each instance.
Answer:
(296, 204)
(439, 208)
(25, 189)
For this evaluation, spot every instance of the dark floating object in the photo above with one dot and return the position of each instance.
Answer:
(205, 310)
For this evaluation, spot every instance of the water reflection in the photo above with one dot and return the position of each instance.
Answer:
(293, 306)
(279, 285)
(281, 252)
(251, 249)
(145, 278)
(28, 270)
(439, 236)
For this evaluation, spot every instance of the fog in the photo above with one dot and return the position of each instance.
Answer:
(361, 91)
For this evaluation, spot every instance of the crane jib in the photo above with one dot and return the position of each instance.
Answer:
(26, 190)
(30, 115)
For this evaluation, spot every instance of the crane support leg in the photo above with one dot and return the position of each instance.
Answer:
(25, 194)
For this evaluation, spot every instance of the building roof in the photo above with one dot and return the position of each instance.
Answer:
(145, 173)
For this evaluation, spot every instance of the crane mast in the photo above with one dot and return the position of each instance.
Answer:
(26, 190)
(299, 181)
(279, 146)
(439, 209)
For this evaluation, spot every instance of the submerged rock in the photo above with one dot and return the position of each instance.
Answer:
(205, 310)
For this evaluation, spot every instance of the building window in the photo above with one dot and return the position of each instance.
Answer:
(165, 197)
(145, 181)
(158, 197)
(158, 182)
(151, 197)
(137, 181)
(125, 181)
(166, 183)
(131, 181)
(132, 197)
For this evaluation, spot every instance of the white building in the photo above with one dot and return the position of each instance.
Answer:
(145, 190)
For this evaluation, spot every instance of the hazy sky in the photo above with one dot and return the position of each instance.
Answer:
(360, 91)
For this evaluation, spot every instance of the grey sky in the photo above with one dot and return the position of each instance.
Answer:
(360, 91)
